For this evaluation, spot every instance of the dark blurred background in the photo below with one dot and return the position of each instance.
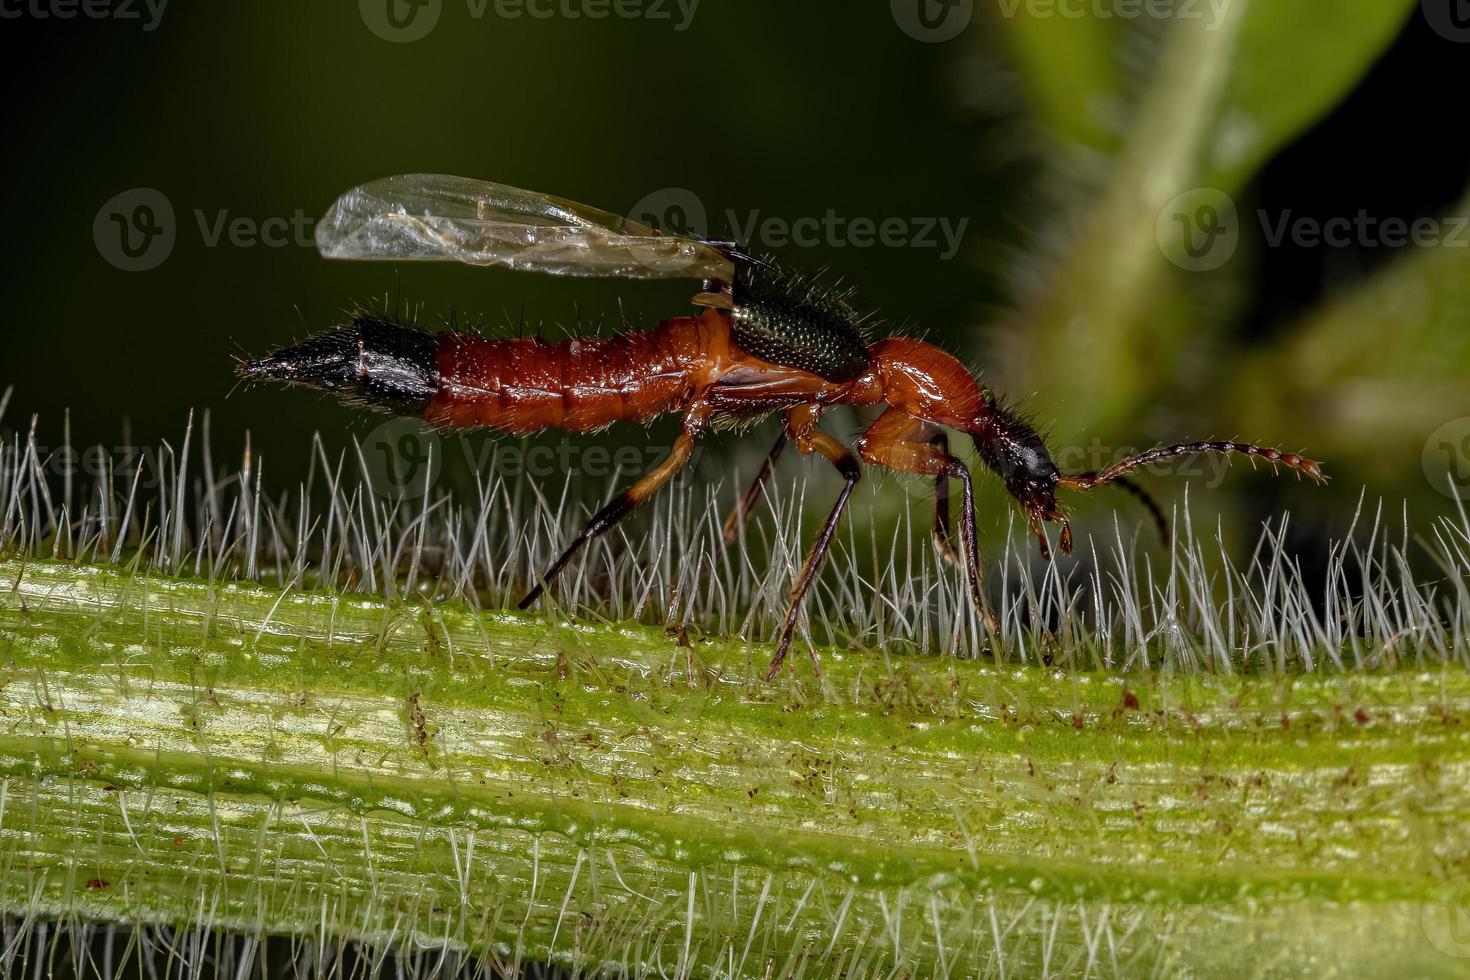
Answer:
(247, 120)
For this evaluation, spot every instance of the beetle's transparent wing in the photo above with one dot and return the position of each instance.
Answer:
(434, 217)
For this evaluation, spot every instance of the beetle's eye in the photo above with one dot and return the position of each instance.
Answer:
(1038, 464)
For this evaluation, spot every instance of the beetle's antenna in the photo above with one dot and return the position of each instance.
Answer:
(1087, 481)
(1145, 498)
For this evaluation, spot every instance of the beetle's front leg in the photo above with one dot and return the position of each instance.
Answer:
(801, 424)
(901, 442)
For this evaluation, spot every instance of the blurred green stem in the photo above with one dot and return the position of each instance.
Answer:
(1091, 325)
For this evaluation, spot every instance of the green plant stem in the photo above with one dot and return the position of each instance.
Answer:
(1108, 289)
(517, 787)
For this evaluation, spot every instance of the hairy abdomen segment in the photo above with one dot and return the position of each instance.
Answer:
(527, 384)
(511, 384)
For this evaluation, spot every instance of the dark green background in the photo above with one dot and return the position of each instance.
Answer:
(261, 110)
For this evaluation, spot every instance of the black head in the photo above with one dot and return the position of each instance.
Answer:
(1014, 450)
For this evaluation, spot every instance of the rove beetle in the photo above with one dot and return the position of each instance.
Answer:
(767, 340)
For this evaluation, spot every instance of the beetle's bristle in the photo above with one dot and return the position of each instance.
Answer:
(377, 362)
(362, 531)
(787, 319)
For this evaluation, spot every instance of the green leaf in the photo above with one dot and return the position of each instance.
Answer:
(1382, 364)
(1230, 85)
(1294, 62)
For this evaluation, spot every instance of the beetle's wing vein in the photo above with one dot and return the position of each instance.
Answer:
(434, 217)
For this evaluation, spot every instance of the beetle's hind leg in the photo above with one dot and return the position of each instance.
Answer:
(736, 521)
(800, 423)
(625, 502)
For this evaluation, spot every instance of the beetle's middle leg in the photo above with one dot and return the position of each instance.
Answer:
(901, 442)
(625, 502)
(801, 426)
(736, 521)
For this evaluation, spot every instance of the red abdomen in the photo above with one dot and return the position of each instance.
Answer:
(522, 385)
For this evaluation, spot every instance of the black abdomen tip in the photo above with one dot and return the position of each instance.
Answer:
(376, 362)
